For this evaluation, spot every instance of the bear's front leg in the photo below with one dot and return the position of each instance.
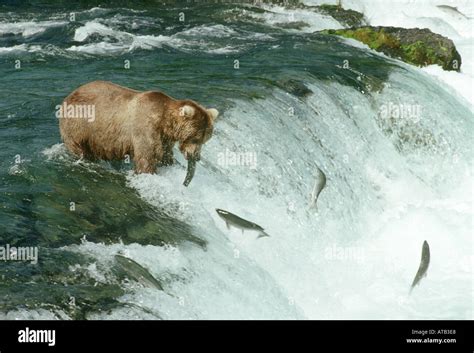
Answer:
(145, 159)
(143, 165)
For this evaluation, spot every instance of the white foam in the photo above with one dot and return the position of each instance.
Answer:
(277, 15)
(20, 48)
(56, 151)
(94, 27)
(116, 41)
(224, 50)
(29, 28)
(219, 31)
(103, 48)
(459, 83)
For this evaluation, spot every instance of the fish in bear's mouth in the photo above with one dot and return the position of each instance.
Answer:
(190, 170)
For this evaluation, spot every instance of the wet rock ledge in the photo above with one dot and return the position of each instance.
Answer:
(416, 46)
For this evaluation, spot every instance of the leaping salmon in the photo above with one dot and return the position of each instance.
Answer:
(424, 264)
(240, 223)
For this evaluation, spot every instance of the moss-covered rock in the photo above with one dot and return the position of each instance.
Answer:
(416, 46)
(294, 87)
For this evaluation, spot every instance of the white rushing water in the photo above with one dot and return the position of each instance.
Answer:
(391, 184)
(187, 40)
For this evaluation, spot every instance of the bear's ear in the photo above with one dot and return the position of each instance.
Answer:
(213, 113)
(187, 111)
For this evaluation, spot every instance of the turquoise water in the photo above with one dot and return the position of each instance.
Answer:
(391, 182)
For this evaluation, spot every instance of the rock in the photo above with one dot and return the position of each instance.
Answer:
(416, 46)
(299, 25)
(105, 211)
(348, 18)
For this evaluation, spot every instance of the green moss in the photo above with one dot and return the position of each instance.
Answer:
(419, 54)
(418, 47)
(374, 39)
(328, 7)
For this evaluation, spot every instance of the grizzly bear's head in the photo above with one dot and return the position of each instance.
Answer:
(195, 127)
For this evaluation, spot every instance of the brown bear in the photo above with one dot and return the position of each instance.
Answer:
(102, 120)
